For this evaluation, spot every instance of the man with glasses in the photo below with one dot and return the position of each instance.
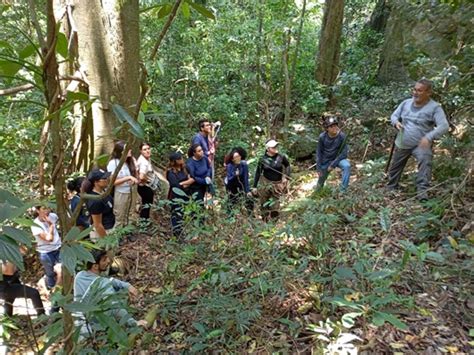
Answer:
(419, 121)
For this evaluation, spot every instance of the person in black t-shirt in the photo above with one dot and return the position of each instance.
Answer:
(273, 170)
(180, 181)
(101, 210)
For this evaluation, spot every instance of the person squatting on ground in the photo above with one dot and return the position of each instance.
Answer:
(89, 284)
(148, 181)
(11, 288)
(332, 152)
(178, 178)
(74, 187)
(124, 184)
(48, 244)
(419, 121)
(237, 180)
(101, 210)
(273, 170)
(199, 169)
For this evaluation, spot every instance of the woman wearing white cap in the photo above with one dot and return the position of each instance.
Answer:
(273, 170)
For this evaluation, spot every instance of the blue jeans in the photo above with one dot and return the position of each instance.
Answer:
(48, 260)
(346, 173)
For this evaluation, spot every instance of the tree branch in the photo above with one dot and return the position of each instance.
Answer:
(171, 17)
(16, 89)
(36, 24)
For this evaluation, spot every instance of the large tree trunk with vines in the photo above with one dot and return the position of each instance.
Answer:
(108, 48)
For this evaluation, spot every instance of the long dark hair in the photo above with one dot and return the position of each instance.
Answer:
(117, 153)
(242, 152)
(173, 166)
(192, 149)
(75, 184)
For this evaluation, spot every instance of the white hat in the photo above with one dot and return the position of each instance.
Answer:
(271, 143)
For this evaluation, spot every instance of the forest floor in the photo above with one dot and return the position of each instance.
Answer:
(383, 273)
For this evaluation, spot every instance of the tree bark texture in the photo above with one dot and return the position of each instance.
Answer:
(327, 61)
(108, 48)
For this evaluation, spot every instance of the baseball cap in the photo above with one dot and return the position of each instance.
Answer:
(271, 143)
(98, 174)
(331, 120)
(175, 156)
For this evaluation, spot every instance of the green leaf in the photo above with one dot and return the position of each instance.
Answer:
(77, 96)
(214, 333)
(9, 212)
(339, 301)
(123, 116)
(379, 318)
(201, 9)
(82, 253)
(344, 273)
(385, 221)
(7, 196)
(17, 234)
(9, 68)
(199, 327)
(435, 256)
(68, 258)
(185, 10)
(164, 11)
(28, 51)
(10, 251)
(115, 331)
(102, 160)
(179, 192)
(348, 319)
(61, 45)
(76, 234)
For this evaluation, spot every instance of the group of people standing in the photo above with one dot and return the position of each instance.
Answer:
(419, 121)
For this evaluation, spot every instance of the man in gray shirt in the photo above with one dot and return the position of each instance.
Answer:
(419, 121)
(89, 285)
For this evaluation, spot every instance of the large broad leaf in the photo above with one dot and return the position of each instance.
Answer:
(379, 318)
(385, 221)
(123, 116)
(28, 51)
(17, 234)
(7, 196)
(116, 332)
(179, 192)
(9, 212)
(82, 253)
(76, 234)
(9, 68)
(185, 10)
(61, 45)
(69, 258)
(164, 11)
(202, 10)
(10, 251)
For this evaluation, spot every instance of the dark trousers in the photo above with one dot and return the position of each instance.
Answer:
(147, 196)
(11, 289)
(424, 158)
(237, 198)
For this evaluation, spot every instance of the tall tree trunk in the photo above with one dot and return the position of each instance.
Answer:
(108, 41)
(327, 61)
(258, 76)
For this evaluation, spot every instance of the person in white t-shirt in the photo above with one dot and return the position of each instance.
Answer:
(147, 180)
(124, 183)
(48, 244)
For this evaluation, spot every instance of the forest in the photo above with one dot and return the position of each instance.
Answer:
(372, 266)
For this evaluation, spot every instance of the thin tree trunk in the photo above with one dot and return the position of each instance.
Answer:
(258, 76)
(294, 60)
(287, 89)
(42, 157)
